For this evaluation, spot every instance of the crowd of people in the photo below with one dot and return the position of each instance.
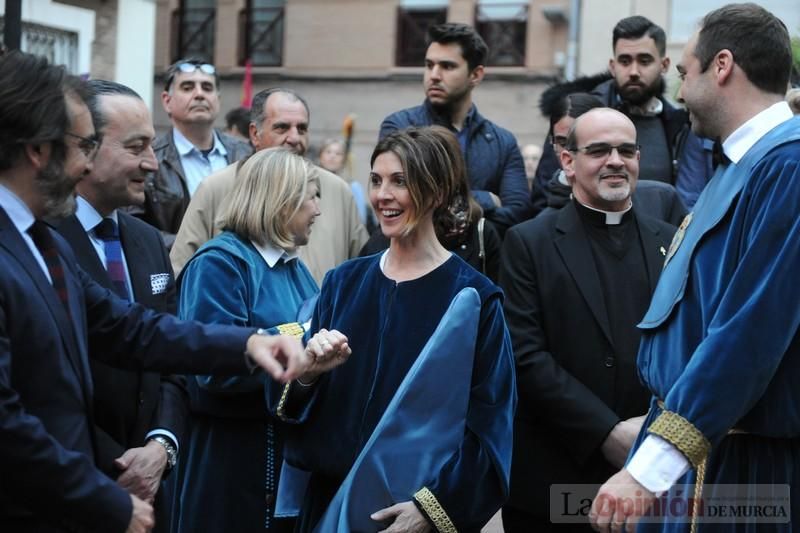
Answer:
(204, 331)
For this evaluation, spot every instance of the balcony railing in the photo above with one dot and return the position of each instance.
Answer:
(504, 28)
(58, 46)
(261, 36)
(412, 33)
(193, 33)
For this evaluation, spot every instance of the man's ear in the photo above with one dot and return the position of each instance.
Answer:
(476, 76)
(253, 134)
(665, 65)
(723, 64)
(165, 99)
(38, 155)
(568, 164)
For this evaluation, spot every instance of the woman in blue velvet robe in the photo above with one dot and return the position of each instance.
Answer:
(389, 305)
(249, 276)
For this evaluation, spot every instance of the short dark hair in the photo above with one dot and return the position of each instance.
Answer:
(98, 88)
(239, 118)
(573, 105)
(636, 27)
(173, 69)
(33, 108)
(473, 47)
(258, 108)
(758, 40)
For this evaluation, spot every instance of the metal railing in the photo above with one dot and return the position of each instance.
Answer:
(58, 46)
(504, 27)
(193, 33)
(412, 30)
(261, 36)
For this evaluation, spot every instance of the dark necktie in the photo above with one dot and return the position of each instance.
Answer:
(108, 232)
(43, 240)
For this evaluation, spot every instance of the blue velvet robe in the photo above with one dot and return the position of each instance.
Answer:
(230, 466)
(388, 324)
(720, 341)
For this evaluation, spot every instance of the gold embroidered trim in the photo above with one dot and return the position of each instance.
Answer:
(435, 511)
(282, 402)
(291, 328)
(683, 435)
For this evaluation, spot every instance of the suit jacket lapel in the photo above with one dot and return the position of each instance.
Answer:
(87, 256)
(12, 241)
(573, 245)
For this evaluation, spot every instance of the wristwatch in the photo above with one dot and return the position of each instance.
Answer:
(172, 453)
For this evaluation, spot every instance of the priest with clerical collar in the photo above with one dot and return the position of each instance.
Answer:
(577, 281)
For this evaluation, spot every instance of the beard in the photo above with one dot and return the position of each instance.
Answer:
(640, 94)
(446, 107)
(56, 189)
(615, 194)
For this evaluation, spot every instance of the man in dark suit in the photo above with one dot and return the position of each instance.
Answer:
(577, 281)
(139, 417)
(52, 315)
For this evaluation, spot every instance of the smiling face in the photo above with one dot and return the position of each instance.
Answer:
(125, 157)
(601, 179)
(697, 93)
(285, 124)
(301, 222)
(389, 195)
(192, 98)
(637, 68)
(57, 180)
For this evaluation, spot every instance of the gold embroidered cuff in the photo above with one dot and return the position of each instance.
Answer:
(683, 435)
(435, 512)
(291, 328)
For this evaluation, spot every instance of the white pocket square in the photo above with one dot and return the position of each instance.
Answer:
(158, 282)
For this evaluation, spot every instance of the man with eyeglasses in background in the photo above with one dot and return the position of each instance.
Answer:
(577, 280)
(190, 150)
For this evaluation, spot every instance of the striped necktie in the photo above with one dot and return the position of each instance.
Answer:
(43, 240)
(108, 232)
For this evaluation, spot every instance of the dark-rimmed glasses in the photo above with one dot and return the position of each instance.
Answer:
(599, 150)
(87, 145)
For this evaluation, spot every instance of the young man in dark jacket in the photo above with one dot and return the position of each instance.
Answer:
(454, 66)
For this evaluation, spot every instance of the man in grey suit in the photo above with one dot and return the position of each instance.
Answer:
(139, 416)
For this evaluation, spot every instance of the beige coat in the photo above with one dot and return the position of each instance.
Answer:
(337, 235)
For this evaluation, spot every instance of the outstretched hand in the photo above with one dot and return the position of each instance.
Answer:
(281, 356)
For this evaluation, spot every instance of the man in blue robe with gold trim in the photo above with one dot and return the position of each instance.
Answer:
(720, 347)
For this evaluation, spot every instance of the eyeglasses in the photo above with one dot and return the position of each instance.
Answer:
(87, 145)
(191, 67)
(599, 150)
(187, 67)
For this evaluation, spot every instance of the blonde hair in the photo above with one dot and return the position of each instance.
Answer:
(270, 188)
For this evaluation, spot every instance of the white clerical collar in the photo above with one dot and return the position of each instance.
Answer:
(88, 216)
(613, 218)
(745, 136)
(272, 255)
